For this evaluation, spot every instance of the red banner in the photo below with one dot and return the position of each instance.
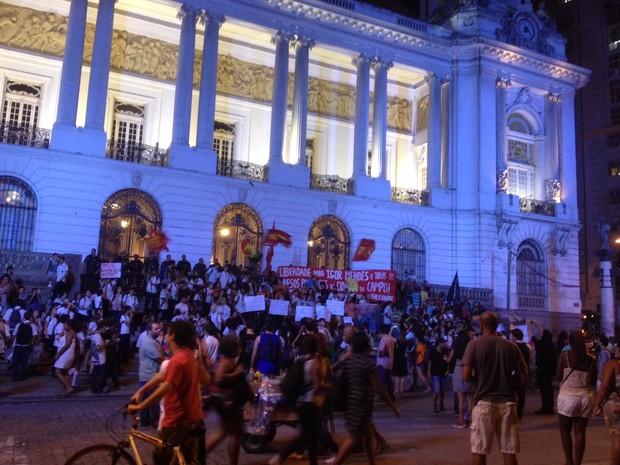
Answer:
(378, 285)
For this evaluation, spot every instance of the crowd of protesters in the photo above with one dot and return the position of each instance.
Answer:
(417, 341)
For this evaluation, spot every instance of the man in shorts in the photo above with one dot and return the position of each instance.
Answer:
(494, 366)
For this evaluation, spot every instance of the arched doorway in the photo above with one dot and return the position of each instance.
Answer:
(127, 218)
(18, 209)
(237, 235)
(329, 244)
(409, 255)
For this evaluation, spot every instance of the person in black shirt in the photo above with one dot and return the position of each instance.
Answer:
(438, 371)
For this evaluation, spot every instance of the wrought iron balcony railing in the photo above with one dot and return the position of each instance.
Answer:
(243, 170)
(327, 183)
(137, 153)
(410, 196)
(539, 207)
(24, 135)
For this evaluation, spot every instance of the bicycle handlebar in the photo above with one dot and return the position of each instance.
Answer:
(135, 419)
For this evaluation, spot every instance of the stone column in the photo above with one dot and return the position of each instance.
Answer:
(553, 149)
(501, 86)
(72, 65)
(100, 68)
(608, 319)
(434, 132)
(379, 118)
(297, 150)
(64, 130)
(185, 75)
(208, 81)
(362, 112)
(280, 96)
(447, 115)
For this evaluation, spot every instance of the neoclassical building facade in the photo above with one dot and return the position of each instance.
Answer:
(450, 143)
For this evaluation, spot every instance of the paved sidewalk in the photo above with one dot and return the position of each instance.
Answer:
(40, 426)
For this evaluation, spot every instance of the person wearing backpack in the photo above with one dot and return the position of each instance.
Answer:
(267, 351)
(24, 334)
(308, 404)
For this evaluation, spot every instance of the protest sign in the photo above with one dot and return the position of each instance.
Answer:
(278, 307)
(254, 303)
(110, 270)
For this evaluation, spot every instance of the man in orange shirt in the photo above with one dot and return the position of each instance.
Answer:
(183, 423)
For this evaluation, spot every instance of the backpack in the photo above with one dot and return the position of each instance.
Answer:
(15, 318)
(24, 334)
(292, 385)
(268, 348)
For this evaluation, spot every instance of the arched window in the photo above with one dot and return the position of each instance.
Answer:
(409, 255)
(127, 218)
(329, 244)
(237, 235)
(522, 156)
(18, 209)
(531, 275)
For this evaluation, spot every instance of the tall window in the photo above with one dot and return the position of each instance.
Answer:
(409, 254)
(127, 219)
(310, 152)
(237, 235)
(21, 104)
(224, 146)
(531, 280)
(18, 209)
(329, 244)
(127, 130)
(521, 156)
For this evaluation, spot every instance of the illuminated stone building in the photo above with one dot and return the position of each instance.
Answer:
(450, 143)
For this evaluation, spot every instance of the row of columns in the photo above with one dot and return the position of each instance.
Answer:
(99, 77)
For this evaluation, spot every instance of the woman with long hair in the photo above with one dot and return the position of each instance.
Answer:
(545, 366)
(460, 387)
(576, 372)
(65, 357)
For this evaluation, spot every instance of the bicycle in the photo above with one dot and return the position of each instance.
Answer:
(118, 454)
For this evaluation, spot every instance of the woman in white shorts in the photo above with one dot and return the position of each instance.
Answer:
(576, 371)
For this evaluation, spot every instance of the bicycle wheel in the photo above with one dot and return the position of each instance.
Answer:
(101, 454)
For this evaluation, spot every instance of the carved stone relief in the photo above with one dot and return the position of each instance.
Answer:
(45, 33)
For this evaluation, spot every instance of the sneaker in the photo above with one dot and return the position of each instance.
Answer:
(330, 460)
(459, 426)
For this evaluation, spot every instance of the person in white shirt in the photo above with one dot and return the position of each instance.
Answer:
(183, 308)
(152, 293)
(130, 299)
(85, 306)
(62, 271)
(124, 340)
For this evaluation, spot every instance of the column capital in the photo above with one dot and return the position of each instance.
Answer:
(282, 36)
(361, 59)
(186, 11)
(503, 83)
(440, 78)
(378, 62)
(211, 18)
(502, 181)
(298, 41)
(553, 97)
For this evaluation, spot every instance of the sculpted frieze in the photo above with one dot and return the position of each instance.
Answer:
(45, 33)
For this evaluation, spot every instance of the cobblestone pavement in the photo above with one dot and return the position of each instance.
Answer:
(39, 426)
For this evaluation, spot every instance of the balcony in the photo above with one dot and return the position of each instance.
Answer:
(410, 196)
(243, 170)
(24, 135)
(539, 207)
(137, 153)
(532, 302)
(327, 183)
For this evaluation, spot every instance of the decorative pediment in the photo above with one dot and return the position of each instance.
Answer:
(532, 31)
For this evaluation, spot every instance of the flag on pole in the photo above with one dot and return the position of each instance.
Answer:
(157, 241)
(364, 250)
(276, 236)
(454, 294)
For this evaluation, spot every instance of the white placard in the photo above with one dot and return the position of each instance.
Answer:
(347, 320)
(322, 312)
(110, 270)
(304, 312)
(254, 303)
(278, 307)
(336, 307)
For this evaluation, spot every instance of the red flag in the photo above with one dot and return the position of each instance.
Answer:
(276, 236)
(364, 250)
(246, 246)
(157, 241)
